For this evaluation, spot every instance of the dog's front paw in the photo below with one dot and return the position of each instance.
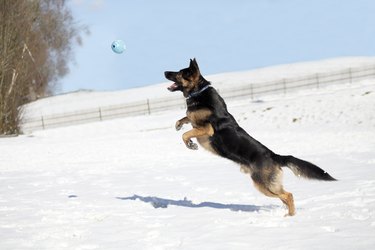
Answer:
(191, 145)
(178, 125)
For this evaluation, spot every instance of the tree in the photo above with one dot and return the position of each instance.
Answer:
(36, 39)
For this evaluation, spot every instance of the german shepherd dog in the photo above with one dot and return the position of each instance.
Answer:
(217, 131)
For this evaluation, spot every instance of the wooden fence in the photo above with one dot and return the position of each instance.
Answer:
(149, 106)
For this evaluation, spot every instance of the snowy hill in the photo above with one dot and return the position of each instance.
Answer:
(83, 100)
(131, 183)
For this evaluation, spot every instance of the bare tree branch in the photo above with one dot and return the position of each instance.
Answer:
(35, 48)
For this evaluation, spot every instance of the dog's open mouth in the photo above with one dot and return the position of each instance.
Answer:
(173, 87)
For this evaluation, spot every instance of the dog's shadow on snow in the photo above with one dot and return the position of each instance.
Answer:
(157, 202)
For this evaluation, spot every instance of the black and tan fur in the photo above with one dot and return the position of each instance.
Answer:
(217, 131)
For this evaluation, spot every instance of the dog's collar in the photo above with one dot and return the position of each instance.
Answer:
(197, 93)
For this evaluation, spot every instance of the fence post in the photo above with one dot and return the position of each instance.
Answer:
(43, 123)
(100, 114)
(148, 107)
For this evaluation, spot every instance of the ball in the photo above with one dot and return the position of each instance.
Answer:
(118, 46)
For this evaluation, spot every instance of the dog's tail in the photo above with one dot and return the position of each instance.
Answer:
(302, 168)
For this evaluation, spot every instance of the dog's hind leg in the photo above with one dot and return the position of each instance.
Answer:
(287, 199)
(268, 180)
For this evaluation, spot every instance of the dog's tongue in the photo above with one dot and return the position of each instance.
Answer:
(173, 87)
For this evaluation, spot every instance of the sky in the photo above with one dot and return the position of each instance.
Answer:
(222, 35)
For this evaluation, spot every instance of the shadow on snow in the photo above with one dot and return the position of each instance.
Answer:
(157, 202)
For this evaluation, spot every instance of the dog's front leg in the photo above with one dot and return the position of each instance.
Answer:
(197, 132)
(181, 122)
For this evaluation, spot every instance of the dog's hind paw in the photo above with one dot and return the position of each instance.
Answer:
(192, 145)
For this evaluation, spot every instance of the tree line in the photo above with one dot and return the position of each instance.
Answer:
(36, 45)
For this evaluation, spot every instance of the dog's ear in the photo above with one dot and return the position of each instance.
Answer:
(194, 64)
(191, 65)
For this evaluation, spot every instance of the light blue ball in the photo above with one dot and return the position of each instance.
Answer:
(118, 46)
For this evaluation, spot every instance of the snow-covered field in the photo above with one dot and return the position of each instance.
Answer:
(131, 183)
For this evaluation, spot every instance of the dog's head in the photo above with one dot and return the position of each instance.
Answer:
(185, 80)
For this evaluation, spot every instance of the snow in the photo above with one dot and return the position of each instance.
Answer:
(132, 184)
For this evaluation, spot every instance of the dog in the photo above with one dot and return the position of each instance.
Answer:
(217, 131)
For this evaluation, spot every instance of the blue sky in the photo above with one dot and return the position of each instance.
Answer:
(224, 36)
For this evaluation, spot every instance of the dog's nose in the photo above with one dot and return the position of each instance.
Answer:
(169, 75)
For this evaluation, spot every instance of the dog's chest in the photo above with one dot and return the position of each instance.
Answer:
(198, 117)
